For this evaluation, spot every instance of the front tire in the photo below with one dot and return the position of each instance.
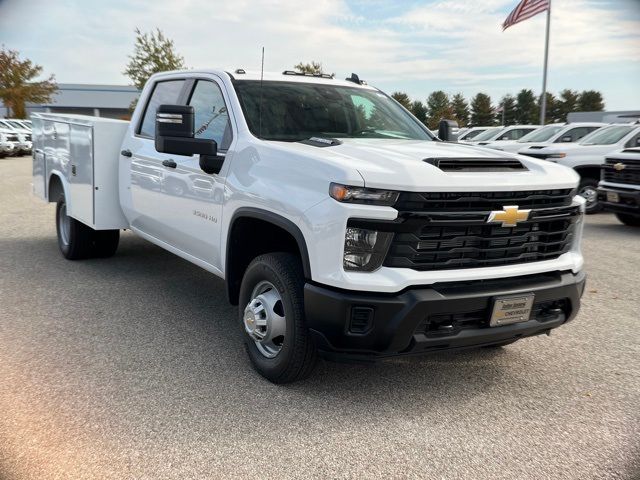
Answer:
(272, 318)
(588, 189)
(629, 220)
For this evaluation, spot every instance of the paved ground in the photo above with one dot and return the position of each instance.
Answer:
(132, 368)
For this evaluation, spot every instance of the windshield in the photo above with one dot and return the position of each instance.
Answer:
(471, 134)
(542, 134)
(293, 111)
(607, 135)
(488, 134)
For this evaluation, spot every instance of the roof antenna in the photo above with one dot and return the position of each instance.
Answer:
(260, 108)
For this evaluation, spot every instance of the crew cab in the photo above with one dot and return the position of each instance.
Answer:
(555, 133)
(587, 155)
(341, 226)
(619, 187)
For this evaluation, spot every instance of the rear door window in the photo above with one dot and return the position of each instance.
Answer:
(166, 92)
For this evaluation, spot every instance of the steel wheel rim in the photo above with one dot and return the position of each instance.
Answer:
(264, 319)
(64, 224)
(590, 194)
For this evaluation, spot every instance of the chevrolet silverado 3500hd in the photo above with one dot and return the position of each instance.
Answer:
(340, 224)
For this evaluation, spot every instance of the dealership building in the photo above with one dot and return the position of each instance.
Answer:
(112, 101)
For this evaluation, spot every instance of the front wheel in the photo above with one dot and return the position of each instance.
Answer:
(272, 318)
(588, 189)
(630, 220)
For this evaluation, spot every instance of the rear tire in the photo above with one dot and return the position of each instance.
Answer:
(271, 295)
(588, 189)
(105, 243)
(77, 241)
(629, 220)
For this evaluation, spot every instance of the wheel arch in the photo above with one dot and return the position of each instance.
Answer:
(55, 186)
(239, 253)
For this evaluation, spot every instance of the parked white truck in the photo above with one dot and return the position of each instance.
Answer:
(340, 225)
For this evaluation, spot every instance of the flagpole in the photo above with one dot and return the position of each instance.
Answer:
(543, 109)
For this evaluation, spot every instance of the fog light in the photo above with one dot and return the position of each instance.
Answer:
(364, 249)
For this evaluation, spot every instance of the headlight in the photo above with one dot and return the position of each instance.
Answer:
(364, 249)
(367, 196)
(557, 155)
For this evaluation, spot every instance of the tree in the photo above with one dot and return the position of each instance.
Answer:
(507, 111)
(550, 113)
(313, 68)
(460, 109)
(153, 53)
(567, 103)
(419, 110)
(403, 99)
(590, 101)
(17, 85)
(481, 111)
(438, 108)
(526, 107)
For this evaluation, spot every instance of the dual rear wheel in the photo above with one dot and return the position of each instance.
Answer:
(78, 241)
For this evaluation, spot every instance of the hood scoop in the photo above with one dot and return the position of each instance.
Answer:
(477, 164)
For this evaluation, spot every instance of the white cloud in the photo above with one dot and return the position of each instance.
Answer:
(448, 44)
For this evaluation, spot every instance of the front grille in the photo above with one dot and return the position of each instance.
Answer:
(444, 231)
(12, 138)
(28, 137)
(444, 202)
(630, 174)
(541, 156)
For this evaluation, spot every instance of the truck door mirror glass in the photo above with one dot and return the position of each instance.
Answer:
(175, 132)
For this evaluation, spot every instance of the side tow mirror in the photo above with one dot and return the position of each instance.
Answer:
(447, 130)
(175, 134)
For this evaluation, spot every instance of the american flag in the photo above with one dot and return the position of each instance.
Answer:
(524, 10)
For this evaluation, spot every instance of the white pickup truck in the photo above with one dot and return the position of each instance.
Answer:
(340, 224)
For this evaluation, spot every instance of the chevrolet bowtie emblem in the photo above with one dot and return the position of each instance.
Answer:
(509, 217)
(619, 166)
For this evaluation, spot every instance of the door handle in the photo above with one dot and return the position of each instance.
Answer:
(169, 163)
(126, 153)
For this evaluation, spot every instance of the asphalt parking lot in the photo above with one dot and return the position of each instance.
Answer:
(132, 367)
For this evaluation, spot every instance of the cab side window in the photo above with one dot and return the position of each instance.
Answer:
(634, 141)
(166, 92)
(577, 133)
(211, 115)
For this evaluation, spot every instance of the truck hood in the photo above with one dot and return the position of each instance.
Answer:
(400, 165)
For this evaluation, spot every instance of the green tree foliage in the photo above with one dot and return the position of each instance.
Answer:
(551, 111)
(460, 109)
(507, 111)
(419, 110)
(526, 107)
(590, 101)
(17, 85)
(403, 99)
(567, 103)
(481, 110)
(313, 68)
(153, 53)
(438, 108)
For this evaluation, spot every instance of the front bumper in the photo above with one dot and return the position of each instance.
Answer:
(629, 200)
(364, 326)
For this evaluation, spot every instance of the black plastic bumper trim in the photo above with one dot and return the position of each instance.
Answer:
(397, 316)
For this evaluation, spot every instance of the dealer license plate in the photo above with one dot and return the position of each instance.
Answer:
(613, 197)
(508, 310)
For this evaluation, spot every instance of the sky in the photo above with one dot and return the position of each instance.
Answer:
(407, 45)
